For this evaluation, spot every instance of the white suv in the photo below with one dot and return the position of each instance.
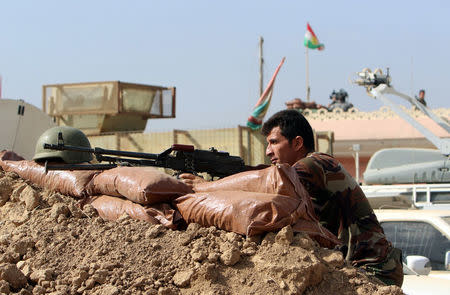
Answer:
(421, 233)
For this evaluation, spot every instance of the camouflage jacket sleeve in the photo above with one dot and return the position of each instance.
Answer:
(343, 208)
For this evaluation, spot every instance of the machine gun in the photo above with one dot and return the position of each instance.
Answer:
(179, 157)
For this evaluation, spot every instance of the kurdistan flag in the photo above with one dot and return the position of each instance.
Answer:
(311, 40)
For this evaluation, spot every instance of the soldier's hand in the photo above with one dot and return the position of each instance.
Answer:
(190, 179)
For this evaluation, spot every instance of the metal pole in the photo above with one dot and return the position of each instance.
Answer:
(261, 66)
(356, 148)
(308, 90)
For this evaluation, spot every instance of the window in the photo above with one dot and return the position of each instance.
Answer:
(440, 197)
(418, 238)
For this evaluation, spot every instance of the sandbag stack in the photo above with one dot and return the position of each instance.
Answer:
(254, 202)
(248, 203)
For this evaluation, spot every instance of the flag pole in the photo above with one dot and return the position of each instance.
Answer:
(308, 90)
(261, 66)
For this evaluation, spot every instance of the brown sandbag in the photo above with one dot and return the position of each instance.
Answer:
(111, 208)
(72, 183)
(143, 185)
(277, 179)
(10, 155)
(250, 213)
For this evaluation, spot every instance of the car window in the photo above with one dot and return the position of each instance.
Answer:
(440, 197)
(418, 238)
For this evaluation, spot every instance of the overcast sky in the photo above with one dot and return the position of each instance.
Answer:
(209, 50)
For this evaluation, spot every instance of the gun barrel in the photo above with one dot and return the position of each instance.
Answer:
(100, 151)
(79, 167)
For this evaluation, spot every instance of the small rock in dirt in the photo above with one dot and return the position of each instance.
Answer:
(25, 268)
(75, 211)
(100, 276)
(89, 211)
(255, 239)
(30, 197)
(154, 231)
(12, 175)
(41, 275)
(53, 198)
(333, 258)
(193, 228)
(182, 278)
(231, 237)
(285, 236)
(124, 219)
(15, 195)
(5, 239)
(21, 247)
(350, 272)
(283, 285)
(90, 283)
(9, 257)
(59, 209)
(213, 257)
(304, 241)
(4, 287)
(198, 255)
(39, 290)
(107, 290)
(11, 274)
(184, 239)
(268, 239)
(230, 257)
(5, 190)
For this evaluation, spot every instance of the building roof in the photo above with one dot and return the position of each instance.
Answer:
(382, 124)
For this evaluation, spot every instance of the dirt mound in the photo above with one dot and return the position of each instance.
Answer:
(50, 246)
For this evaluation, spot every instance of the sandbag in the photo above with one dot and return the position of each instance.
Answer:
(246, 213)
(111, 208)
(278, 179)
(71, 183)
(143, 185)
(10, 155)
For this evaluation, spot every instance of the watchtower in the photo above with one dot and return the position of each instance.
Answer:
(107, 107)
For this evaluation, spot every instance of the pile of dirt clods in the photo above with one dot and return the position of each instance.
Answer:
(49, 244)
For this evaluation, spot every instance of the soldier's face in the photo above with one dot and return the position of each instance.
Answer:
(279, 150)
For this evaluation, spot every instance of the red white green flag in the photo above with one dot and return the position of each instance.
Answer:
(311, 40)
(261, 107)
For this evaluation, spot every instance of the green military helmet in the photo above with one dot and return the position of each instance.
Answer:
(71, 136)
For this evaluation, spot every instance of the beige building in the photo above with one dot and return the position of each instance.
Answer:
(372, 131)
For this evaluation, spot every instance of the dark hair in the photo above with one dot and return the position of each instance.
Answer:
(422, 90)
(292, 124)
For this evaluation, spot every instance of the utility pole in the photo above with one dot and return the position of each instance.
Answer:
(308, 89)
(261, 66)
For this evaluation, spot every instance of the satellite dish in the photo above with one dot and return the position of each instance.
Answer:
(21, 124)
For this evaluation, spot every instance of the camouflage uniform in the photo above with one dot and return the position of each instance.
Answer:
(343, 209)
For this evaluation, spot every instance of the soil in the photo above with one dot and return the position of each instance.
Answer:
(48, 245)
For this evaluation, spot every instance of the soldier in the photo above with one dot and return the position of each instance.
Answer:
(338, 200)
(421, 97)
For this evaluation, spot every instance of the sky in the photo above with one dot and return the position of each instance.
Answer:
(209, 51)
